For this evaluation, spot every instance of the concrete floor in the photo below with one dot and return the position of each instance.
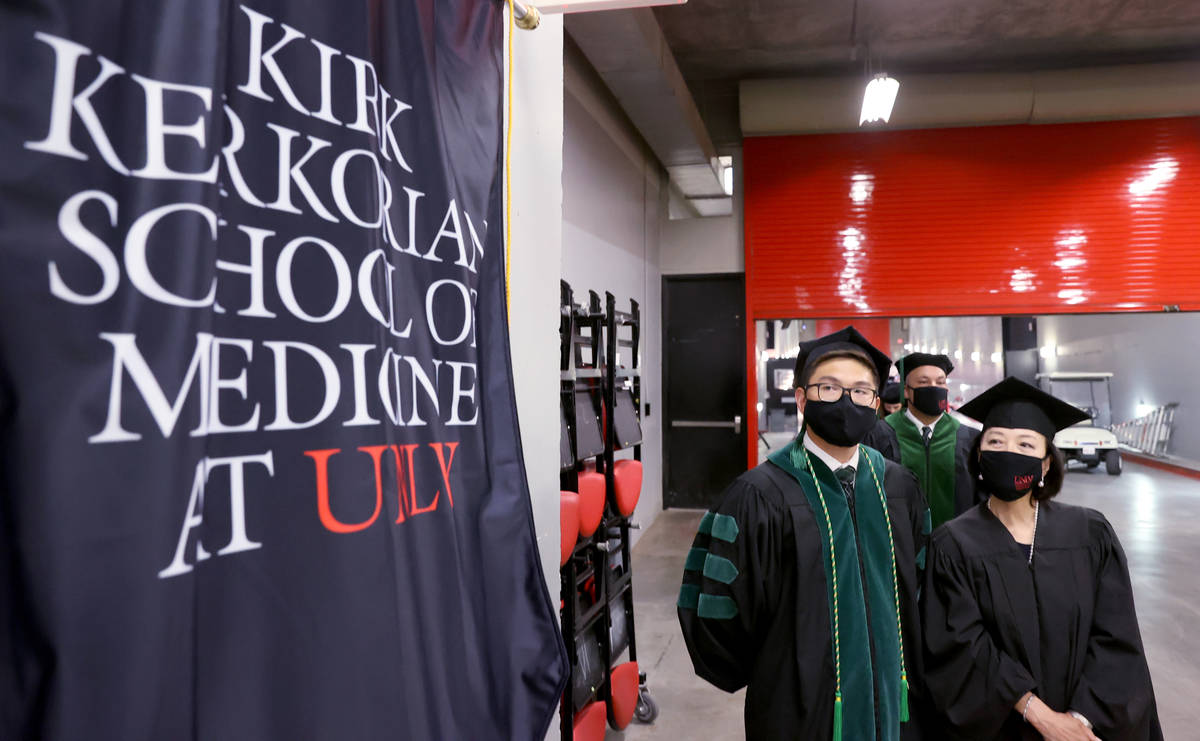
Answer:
(1156, 515)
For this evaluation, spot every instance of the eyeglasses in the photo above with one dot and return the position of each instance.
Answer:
(834, 392)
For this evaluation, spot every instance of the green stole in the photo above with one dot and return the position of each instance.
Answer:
(935, 473)
(854, 638)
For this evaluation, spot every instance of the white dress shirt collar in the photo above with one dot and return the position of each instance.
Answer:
(912, 418)
(832, 463)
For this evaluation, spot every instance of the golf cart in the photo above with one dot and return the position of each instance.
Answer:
(1090, 442)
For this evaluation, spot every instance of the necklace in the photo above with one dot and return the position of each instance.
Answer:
(1033, 538)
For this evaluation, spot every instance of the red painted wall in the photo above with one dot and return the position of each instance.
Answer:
(877, 331)
(1070, 218)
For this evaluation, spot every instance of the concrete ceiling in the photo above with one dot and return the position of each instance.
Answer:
(718, 42)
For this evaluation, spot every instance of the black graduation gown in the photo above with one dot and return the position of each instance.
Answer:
(779, 643)
(1064, 628)
(883, 438)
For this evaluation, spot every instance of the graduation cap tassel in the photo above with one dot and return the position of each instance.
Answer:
(903, 697)
(837, 717)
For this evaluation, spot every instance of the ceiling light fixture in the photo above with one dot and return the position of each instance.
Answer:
(879, 98)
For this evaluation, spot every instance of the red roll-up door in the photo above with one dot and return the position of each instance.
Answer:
(1092, 217)
(1068, 218)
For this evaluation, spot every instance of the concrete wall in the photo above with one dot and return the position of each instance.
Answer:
(706, 245)
(537, 194)
(1154, 358)
(613, 201)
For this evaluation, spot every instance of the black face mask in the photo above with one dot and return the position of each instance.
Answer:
(1009, 476)
(930, 400)
(842, 423)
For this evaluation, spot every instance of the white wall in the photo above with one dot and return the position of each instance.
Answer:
(706, 245)
(1154, 359)
(613, 201)
(537, 196)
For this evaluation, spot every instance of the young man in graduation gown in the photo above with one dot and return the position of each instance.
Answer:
(1030, 626)
(928, 441)
(801, 583)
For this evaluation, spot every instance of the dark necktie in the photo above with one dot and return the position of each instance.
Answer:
(926, 434)
(845, 475)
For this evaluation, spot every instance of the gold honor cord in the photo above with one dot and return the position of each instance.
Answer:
(895, 590)
(508, 170)
(837, 645)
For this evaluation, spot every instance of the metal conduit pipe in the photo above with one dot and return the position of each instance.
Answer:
(823, 105)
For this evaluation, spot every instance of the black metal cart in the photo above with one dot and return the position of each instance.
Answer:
(600, 405)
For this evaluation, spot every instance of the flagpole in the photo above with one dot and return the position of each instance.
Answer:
(527, 16)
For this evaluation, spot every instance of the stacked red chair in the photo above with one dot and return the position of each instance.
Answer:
(627, 487)
(623, 685)
(568, 525)
(591, 502)
(589, 722)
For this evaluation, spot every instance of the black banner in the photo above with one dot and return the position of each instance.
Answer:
(261, 476)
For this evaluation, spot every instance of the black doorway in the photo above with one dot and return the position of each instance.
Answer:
(704, 377)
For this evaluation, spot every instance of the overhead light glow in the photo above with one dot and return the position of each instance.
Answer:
(958, 354)
(996, 358)
(725, 167)
(878, 99)
(975, 357)
(1155, 176)
(1022, 280)
(1072, 295)
(850, 285)
(1048, 351)
(861, 187)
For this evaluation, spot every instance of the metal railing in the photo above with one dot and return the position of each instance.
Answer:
(1150, 433)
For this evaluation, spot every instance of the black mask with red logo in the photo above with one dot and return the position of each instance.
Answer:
(1009, 476)
(929, 400)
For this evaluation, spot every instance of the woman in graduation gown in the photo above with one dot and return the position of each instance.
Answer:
(1028, 612)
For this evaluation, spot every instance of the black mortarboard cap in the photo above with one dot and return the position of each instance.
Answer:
(1014, 403)
(847, 339)
(891, 393)
(915, 360)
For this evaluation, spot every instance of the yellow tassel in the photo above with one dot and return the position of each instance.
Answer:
(903, 698)
(837, 717)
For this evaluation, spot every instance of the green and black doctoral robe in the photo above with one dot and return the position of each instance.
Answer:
(755, 607)
(1063, 627)
(941, 468)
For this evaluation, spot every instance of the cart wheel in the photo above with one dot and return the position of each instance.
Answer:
(646, 710)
